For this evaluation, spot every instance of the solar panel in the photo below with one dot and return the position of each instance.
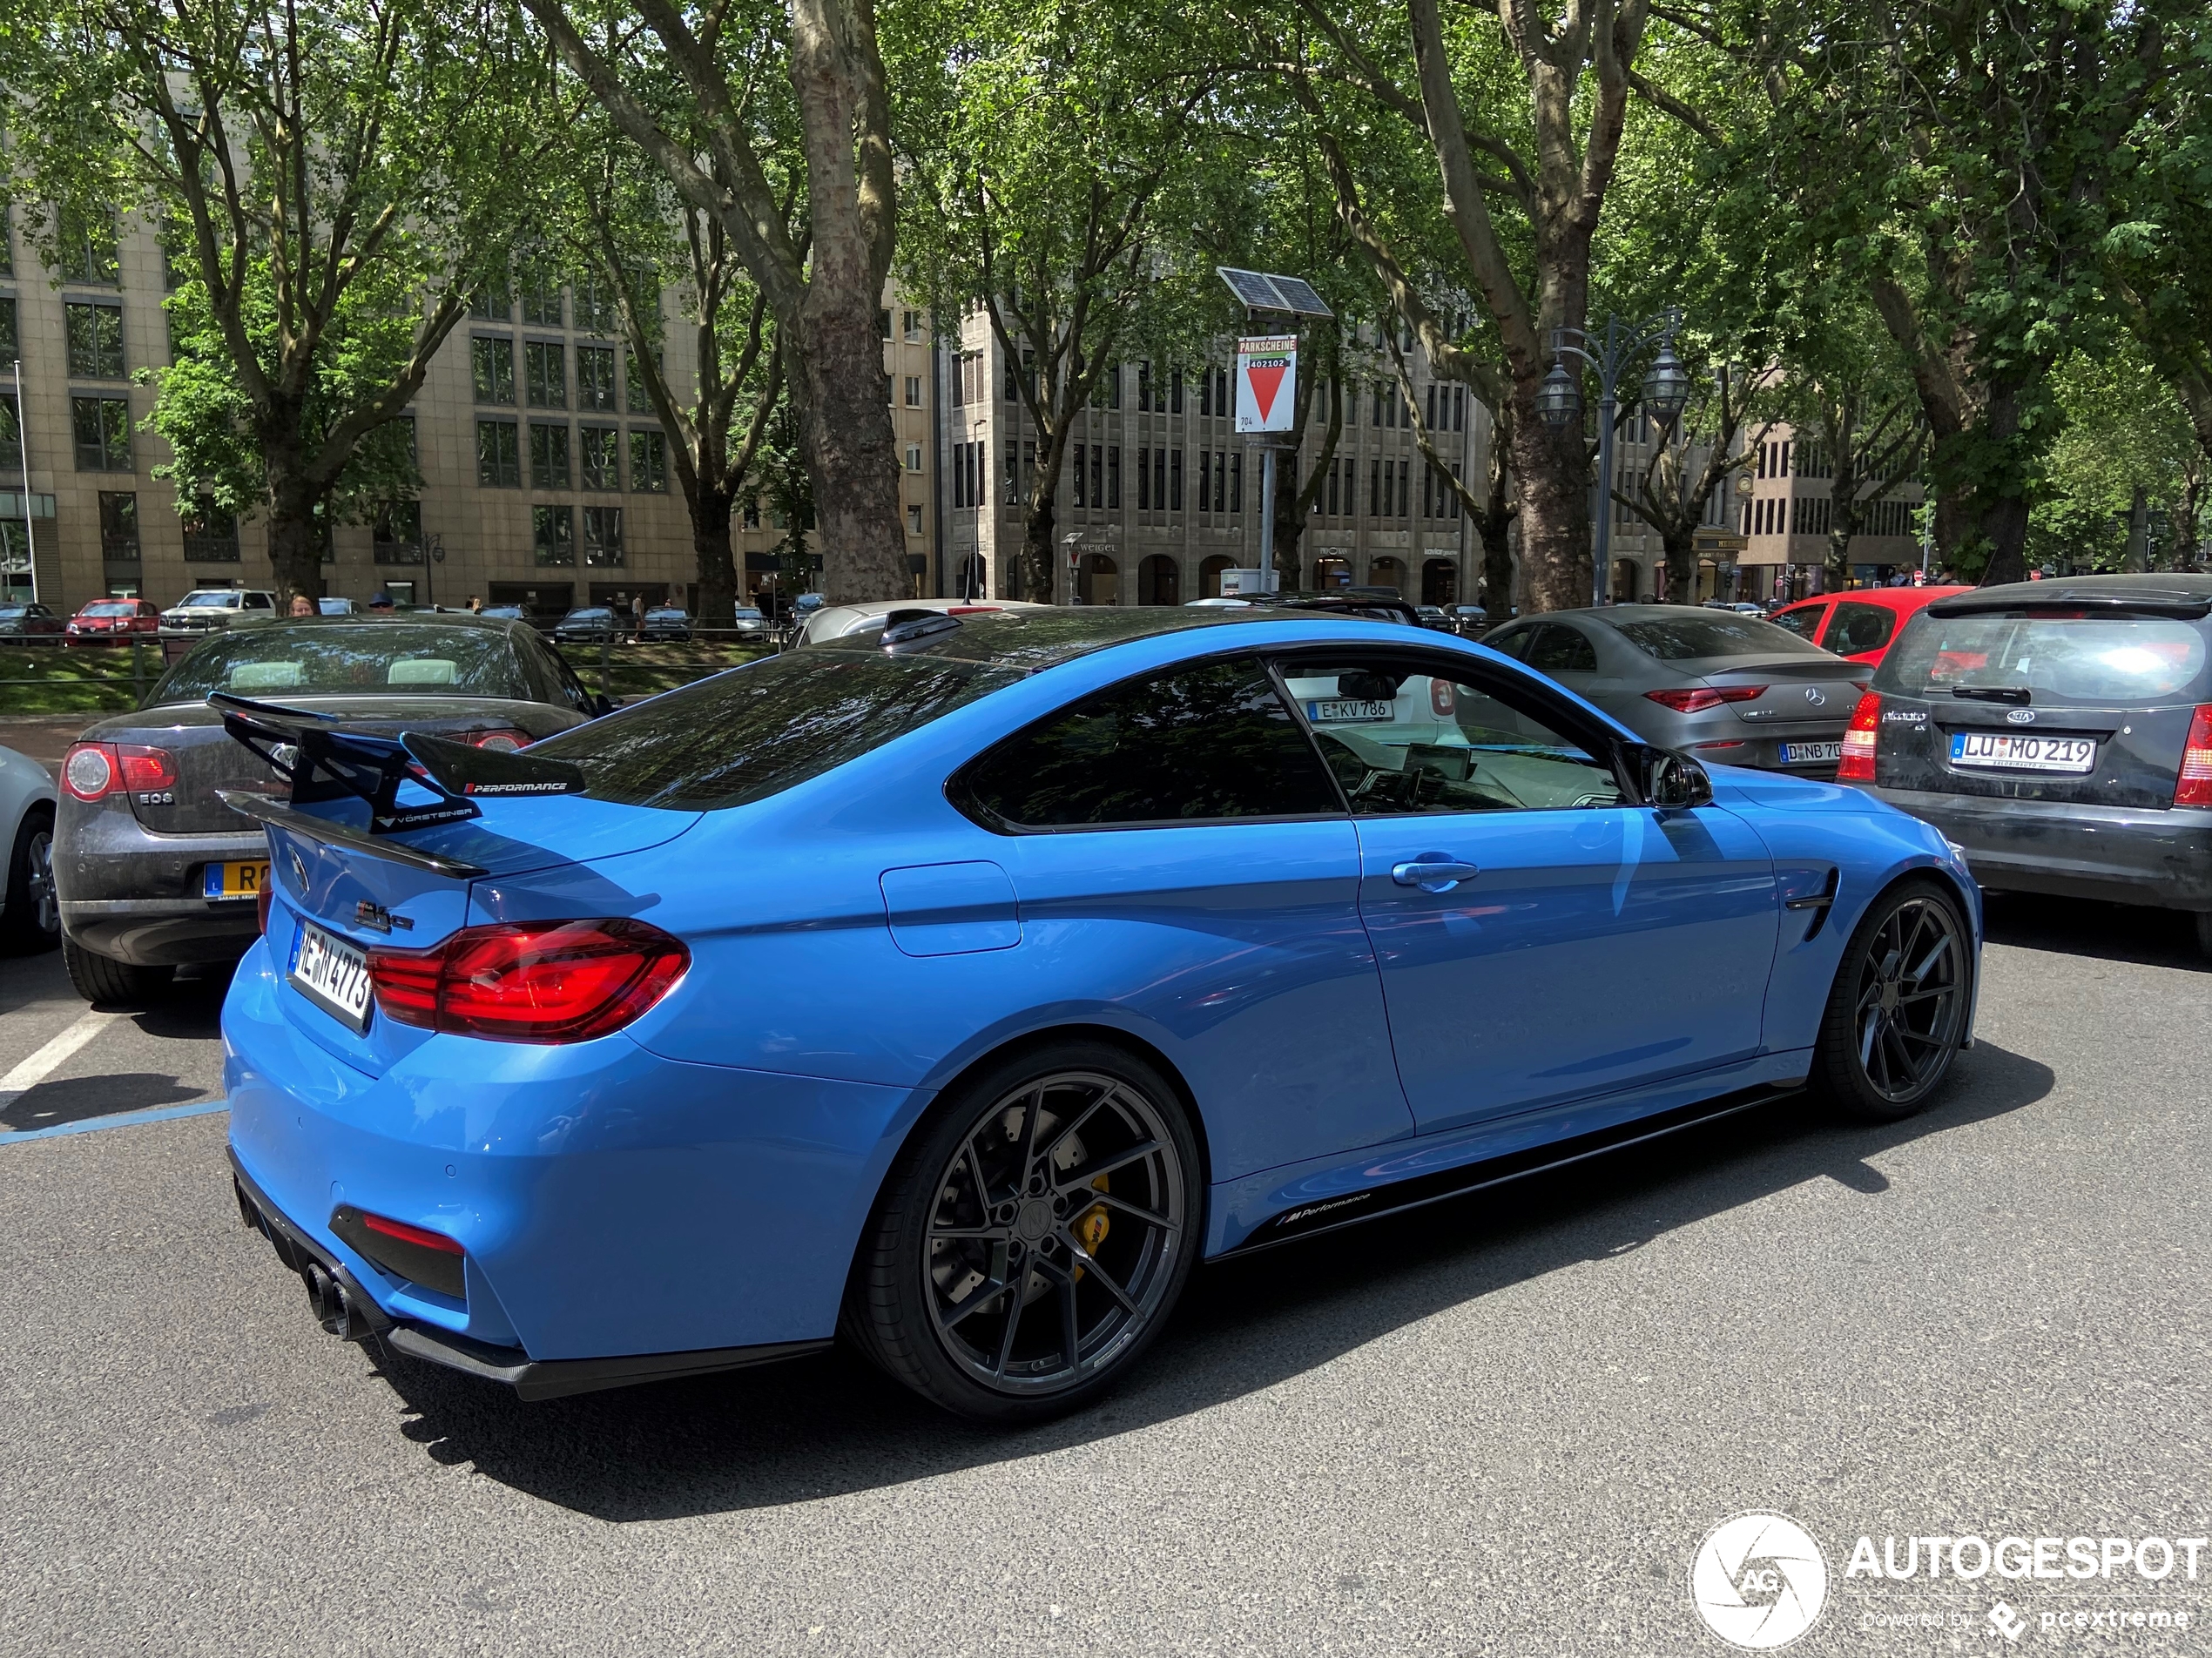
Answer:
(1255, 289)
(1299, 296)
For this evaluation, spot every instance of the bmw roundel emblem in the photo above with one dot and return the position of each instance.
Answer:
(1813, 696)
(2020, 716)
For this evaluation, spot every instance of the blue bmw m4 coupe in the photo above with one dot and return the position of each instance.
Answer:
(957, 989)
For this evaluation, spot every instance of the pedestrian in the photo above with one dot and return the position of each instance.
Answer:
(302, 605)
(475, 605)
(637, 616)
(381, 604)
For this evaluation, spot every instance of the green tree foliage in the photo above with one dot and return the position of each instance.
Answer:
(328, 180)
(2126, 478)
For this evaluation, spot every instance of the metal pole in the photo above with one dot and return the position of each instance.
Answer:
(1602, 555)
(22, 454)
(1267, 517)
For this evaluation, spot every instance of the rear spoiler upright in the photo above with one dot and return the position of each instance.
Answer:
(323, 762)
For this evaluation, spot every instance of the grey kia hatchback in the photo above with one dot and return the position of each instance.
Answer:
(1732, 690)
(2061, 733)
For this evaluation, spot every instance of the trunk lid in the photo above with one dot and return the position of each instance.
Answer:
(1804, 694)
(2000, 704)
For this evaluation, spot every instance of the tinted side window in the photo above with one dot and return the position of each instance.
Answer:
(1562, 650)
(1513, 642)
(1197, 744)
(1859, 627)
(1805, 623)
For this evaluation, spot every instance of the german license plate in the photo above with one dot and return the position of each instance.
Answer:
(2015, 751)
(239, 880)
(1807, 753)
(1348, 711)
(332, 974)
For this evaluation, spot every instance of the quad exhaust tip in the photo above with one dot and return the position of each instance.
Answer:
(332, 1307)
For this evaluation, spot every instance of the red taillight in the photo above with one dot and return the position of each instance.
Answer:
(1704, 696)
(93, 770)
(503, 740)
(1858, 763)
(2194, 786)
(414, 1235)
(558, 981)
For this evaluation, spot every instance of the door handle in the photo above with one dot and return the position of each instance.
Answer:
(1434, 871)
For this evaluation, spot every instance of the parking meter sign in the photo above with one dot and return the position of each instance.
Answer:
(1266, 383)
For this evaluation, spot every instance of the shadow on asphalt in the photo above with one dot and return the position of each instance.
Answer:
(828, 1424)
(2109, 931)
(80, 1099)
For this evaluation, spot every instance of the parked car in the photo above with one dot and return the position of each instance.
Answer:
(1468, 620)
(112, 622)
(839, 621)
(207, 609)
(2060, 732)
(663, 622)
(28, 624)
(338, 607)
(1367, 602)
(1433, 615)
(29, 921)
(1728, 688)
(589, 624)
(1095, 955)
(1740, 607)
(502, 613)
(748, 622)
(154, 872)
(1859, 624)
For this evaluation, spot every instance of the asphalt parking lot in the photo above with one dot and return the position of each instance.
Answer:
(1501, 1426)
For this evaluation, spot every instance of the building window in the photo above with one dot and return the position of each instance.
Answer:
(1075, 471)
(553, 535)
(10, 346)
(1143, 460)
(545, 370)
(395, 532)
(640, 401)
(493, 302)
(649, 463)
(499, 456)
(88, 250)
(1376, 505)
(1331, 506)
(211, 534)
(914, 391)
(1175, 481)
(914, 519)
(10, 433)
(491, 366)
(119, 528)
(912, 326)
(549, 456)
(1160, 479)
(602, 457)
(7, 239)
(603, 536)
(95, 340)
(594, 306)
(542, 295)
(883, 323)
(1114, 477)
(1405, 489)
(1143, 390)
(1097, 474)
(913, 457)
(1012, 472)
(594, 377)
(1236, 483)
(1175, 392)
(101, 426)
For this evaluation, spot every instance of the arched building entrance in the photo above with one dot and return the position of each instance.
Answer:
(1099, 580)
(1210, 574)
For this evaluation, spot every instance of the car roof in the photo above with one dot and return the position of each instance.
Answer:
(1039, 636)
(1892, 598)
(2153, 587)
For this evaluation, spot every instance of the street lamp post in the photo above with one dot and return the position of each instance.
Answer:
(1666, 390)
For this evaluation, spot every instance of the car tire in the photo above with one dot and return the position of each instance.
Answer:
(1897, 1011)
(981, 1213)
(31, 919)
(103, 979)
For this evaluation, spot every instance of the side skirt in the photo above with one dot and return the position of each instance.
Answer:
(1349, 1208)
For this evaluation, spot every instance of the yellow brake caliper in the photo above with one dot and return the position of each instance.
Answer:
(1091, 1227)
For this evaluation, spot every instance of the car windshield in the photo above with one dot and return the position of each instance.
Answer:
(121, 608)
(747, 616)
(367, 658)
(2098, 660)
(216, 599)
(14, 610)
(589, 616)
(1695, 635)
(758, 731)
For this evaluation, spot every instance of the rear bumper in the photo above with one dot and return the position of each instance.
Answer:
(2116, 854)
(648, 1216)
(133, 896)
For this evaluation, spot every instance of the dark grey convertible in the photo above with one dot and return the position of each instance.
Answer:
(154, 872)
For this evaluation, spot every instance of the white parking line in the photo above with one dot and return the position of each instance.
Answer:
(50, 1058)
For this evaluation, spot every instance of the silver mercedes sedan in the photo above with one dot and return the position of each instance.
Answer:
(1732, 690)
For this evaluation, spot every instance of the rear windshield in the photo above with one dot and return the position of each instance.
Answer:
(1693, 635)
(399, 658)
(760, 729)
(2101, 661)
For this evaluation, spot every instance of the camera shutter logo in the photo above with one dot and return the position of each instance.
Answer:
(1758, 1580)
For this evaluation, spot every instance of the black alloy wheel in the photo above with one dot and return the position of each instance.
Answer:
(1898, 1010)
(1033, 1236)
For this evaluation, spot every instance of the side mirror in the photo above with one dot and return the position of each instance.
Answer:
(1675, 782)
(603, 705)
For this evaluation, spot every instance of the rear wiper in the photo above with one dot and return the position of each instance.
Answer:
(1992, 693)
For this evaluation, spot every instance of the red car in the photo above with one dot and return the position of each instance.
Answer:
(1860, 624)
(113, 622)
